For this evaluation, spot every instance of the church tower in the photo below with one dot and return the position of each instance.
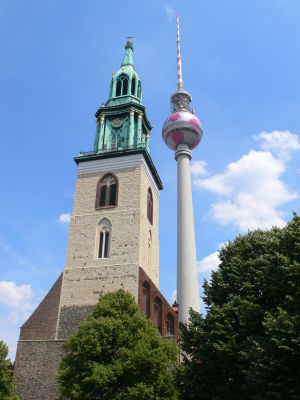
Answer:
(113, 236)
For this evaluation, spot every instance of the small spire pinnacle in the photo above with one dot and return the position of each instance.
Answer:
(179, 67)
(128, 59)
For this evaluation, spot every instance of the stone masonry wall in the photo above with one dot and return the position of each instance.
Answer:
(149, 262)
(36, 368)
(82, 286)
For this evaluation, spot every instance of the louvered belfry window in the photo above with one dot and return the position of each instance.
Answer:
(107, 192)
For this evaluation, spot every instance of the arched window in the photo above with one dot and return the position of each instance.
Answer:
(133, 86)
(122, 85)
(104, 236)
(169, 325)
(157, 307)
(150, 206)
(107, 191)
(146, 299)
(139, 90)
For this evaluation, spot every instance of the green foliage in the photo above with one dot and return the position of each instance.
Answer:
(248, 344)
(117, 354)
(6, 373)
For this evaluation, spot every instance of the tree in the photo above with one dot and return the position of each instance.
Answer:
(117, 354)
(247, 346)
(6, 374)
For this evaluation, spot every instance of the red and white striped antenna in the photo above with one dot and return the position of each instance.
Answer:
(179, 67)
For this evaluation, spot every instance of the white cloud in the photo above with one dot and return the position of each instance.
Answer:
(64, 218)
(281, 143)
(170, 13)
(209, 263)
(18, 298)
(198, 168)
(174, 295)
(250, 192)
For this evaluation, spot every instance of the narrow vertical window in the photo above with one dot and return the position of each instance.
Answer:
(106, 245)
(103, 238)
(112, 194)
(139, 91)
(119, 87)
(157, 311)
(125, 87)
(150, 206)
(146, 299)
(103, 195)
(100, 252)
(169, 325)
(133, 86)
(107, 191)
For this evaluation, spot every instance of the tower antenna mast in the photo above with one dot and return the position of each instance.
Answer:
(179, 65)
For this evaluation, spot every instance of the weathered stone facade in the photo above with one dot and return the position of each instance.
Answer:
(133, 260)
(36, 367)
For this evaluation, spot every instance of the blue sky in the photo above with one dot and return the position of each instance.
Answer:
(241, 63)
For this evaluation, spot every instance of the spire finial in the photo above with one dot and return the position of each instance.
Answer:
(179, 67)
(128, 59)
(129, 42)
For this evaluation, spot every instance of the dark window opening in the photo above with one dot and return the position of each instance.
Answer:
(150, 206)
(146, 299)
(103, 195)
(125, 87)
(169, 325)
(106, 245)
(157, 308)
(133, 86)
(119, 87)
(139, 91)
(107, 192)
(112, 195)
(100, 245)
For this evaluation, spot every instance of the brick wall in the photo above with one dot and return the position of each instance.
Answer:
(154, 293)
(42, 323)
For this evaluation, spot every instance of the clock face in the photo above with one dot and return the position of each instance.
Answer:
(117, 123)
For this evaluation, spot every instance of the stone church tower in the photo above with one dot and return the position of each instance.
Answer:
(113, 237)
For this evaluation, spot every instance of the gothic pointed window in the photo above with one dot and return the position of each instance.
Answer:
(169, 325)
(107, 191)
(139, 90)
(125, 87)
(119, 88)
(150, 206)
(146, 299)
(133, 86)
(122, 85)
(104, 236)
(157, 313)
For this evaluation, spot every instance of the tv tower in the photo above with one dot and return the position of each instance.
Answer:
(182, 132)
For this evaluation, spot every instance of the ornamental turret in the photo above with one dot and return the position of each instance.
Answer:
(121, 123)
(182, 132)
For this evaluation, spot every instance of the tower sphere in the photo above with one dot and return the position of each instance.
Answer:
(182, 127)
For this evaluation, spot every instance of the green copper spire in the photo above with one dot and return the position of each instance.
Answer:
(128, 56)
(122, 124)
